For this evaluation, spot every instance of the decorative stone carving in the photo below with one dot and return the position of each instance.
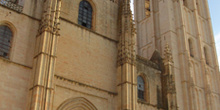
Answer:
(12, 4)
(126, 46)
(126, 58)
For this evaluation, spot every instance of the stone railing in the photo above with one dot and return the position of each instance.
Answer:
(11, 5)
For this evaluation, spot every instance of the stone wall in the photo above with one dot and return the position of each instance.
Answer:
(15, 72)
(151, 74)
(86, 58)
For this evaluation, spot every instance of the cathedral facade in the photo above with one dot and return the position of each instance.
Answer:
(93, 55)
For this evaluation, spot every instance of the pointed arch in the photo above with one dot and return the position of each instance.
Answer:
(79, 103)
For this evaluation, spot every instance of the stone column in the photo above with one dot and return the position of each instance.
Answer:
(42, 90)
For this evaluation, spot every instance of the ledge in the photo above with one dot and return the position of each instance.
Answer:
(82, 84)
(103, 36)
(9, 61)
(140, 101)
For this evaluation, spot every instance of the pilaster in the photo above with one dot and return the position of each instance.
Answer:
(42, 89)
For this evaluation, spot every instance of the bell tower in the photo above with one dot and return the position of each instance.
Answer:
(186, 26)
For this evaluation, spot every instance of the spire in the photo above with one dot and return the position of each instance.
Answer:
(126, 46)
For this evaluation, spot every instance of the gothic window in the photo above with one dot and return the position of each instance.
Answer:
(141, 87)
(85, 14)
(5, 41)
(206, 56)
(191, 48)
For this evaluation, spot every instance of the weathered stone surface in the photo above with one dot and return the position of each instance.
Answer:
(55, 63)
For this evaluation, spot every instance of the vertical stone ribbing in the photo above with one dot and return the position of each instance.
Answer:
(127, 82)
(45, 58)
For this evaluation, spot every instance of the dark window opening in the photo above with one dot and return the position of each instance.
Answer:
(191, 49)
(141, 88)
(85, 14)
(5, 39)
(206, 56)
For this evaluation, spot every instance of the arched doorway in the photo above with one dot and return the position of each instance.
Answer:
(77, 104)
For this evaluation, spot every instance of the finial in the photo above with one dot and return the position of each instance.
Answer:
(167, 53)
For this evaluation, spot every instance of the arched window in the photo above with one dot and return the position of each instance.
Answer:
(141, 87)
(206, 56)
(85, 14)
(191, 50)
(5, 41)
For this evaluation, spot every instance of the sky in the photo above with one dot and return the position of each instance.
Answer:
(214, 6)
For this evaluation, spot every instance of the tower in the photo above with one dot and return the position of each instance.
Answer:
(85, 55)
(186, 26)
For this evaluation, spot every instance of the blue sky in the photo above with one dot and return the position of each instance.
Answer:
(214, 6)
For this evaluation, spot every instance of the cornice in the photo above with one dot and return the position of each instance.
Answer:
(73, 82)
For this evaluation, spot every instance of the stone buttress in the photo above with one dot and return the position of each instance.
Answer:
(41, 88)
(126, 69)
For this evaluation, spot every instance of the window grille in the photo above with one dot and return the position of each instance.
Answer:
(5, 41)
(85, 14)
